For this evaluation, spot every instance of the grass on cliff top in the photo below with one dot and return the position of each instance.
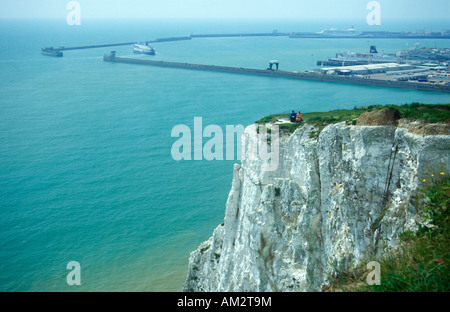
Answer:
(426, 113)
(422, 262)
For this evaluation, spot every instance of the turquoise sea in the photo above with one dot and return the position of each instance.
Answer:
(86, 172)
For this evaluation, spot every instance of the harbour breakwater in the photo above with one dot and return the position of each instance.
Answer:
(275, 33)
(53, 51)
(371, 35)
(364, 35)
(312, 76)
(95, 46)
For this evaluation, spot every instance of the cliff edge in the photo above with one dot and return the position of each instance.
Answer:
(336, 200)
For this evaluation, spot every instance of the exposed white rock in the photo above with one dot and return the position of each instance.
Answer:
(334, 201)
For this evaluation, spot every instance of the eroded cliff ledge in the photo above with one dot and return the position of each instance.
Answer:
(336, 200)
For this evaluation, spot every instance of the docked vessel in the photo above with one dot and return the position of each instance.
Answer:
(143, 48)
(352, 58)
(333, 32)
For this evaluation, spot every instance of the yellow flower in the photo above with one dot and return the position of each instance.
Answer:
(424, 180)
(432, 175)
(442, 173)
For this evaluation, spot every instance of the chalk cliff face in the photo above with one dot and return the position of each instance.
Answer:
(335, 201)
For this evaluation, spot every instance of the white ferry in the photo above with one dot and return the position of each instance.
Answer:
(143, 48)
(333, 32)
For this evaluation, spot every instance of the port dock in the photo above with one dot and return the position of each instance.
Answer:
(358, 75)
(275, 73)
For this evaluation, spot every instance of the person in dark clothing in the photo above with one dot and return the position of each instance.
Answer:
(293, 116)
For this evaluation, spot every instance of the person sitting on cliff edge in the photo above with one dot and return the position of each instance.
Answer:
(293, 116)
(299, 117)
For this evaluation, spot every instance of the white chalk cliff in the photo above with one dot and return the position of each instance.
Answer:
(336, 200)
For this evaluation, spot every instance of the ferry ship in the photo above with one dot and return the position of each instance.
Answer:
(143, 48)
(333, 32)
(352, 58)
(373, 56)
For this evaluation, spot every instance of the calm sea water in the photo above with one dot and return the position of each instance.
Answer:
(86, 170)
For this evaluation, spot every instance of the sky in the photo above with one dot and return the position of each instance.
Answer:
(284, 9)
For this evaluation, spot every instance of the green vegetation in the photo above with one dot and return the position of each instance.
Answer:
(426, 113)
(277, 191)
(204, 249)
(422, 261)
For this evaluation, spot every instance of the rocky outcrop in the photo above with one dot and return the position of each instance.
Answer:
(379, 117)
(335, 201)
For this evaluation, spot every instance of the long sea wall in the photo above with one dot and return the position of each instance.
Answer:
(313, 76)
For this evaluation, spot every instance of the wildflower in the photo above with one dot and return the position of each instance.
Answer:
(432, 175)
(442, 173)
(439, 261)
(424, 180)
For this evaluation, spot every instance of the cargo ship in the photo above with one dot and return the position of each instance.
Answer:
(143, 48)
(51, 52)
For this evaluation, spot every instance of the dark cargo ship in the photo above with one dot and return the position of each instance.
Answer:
(51, 52)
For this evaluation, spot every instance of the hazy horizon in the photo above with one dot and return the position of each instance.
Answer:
(221, 9)
(193, 25)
